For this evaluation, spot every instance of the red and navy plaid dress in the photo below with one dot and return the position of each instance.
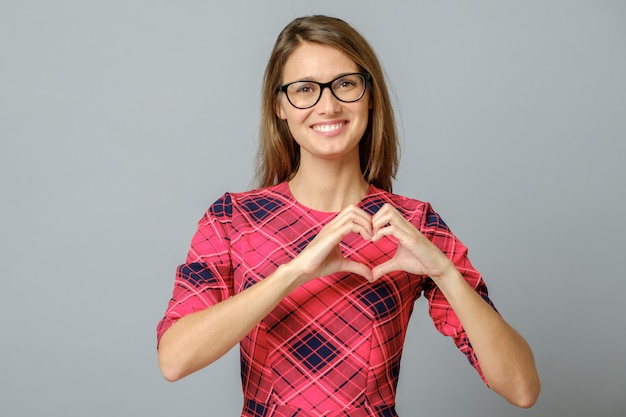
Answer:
(333, 346)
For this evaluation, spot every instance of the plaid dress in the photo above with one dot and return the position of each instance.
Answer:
(333, 346)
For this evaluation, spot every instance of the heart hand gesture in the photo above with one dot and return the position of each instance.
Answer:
(415, 254)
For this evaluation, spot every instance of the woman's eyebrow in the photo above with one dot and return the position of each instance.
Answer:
(312, 78)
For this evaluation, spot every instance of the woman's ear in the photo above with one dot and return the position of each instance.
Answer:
(280, 112)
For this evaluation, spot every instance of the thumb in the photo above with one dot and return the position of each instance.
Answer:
(357, 268)
(384, 268)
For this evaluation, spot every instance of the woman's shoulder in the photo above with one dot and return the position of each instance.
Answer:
(257, 200)
(277, 191)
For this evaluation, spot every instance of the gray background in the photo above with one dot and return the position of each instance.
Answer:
(122, 121)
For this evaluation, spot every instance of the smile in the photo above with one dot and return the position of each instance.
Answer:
(328, 128)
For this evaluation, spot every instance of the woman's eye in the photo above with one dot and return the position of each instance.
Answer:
(345, 84)
(305, 89)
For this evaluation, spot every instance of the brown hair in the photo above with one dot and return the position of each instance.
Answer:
(278, 156)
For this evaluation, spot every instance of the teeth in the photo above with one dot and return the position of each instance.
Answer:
(327, 128)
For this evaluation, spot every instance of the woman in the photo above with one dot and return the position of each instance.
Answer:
(315, 273)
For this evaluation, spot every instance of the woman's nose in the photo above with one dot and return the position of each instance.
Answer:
(328, 103)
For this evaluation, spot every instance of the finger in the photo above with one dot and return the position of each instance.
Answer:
(386, 210)
(382, 232)
(386, 216)
(355, 216)
(355, 225)
(364, 230)
(354, 213)
(402, 233)
(396, 226)
(347, 222)
(352, 210)
(364, 224)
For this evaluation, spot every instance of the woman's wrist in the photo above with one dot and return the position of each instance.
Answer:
(449, 278)
(291, 275)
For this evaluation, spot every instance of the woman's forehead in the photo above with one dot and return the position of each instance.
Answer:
(317, 62)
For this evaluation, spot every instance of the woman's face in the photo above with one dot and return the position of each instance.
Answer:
(331, 129)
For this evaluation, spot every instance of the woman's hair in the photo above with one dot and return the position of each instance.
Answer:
(278, 156)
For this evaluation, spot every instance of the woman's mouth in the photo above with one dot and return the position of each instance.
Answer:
(328, 128)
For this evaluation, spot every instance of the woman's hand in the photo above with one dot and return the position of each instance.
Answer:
(415, 254)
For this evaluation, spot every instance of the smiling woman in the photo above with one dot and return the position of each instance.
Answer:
(326, 129)
(315, 273)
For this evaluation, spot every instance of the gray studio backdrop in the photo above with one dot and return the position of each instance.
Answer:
(122, 121)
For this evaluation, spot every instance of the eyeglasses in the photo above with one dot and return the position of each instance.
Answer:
(347, 88)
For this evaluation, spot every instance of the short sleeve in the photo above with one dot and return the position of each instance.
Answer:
(442, 314)
(205, 278)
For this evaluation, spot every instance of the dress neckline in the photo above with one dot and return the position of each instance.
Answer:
(286, 190)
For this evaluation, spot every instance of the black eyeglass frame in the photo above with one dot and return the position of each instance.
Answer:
(366, 78)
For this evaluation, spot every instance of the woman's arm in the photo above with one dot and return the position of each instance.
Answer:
(505, 358)
(198, 339)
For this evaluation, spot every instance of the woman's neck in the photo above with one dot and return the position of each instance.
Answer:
(328, 189)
